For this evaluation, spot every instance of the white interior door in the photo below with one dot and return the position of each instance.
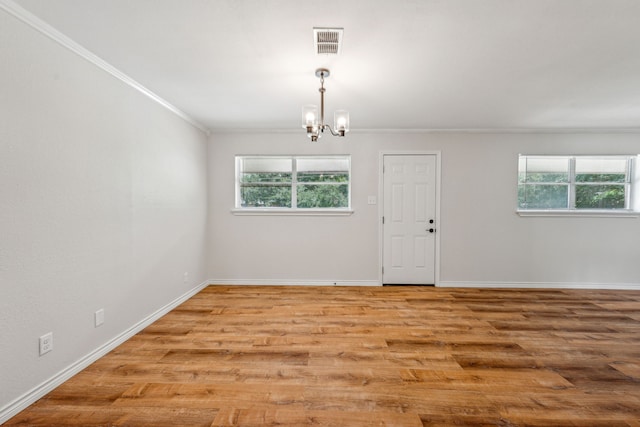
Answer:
(409, 216)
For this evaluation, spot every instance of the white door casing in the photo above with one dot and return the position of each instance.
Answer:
(409, 219)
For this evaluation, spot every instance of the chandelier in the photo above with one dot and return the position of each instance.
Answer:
(315, 128)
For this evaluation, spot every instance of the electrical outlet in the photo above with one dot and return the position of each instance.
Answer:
(185, 277)
(46, 343)
(99, 317)
(372, 200)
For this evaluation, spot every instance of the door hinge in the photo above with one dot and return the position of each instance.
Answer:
(383, 270)
(383, 220)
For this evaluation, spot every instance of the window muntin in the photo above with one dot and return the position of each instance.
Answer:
(293, 182)
(574, 183)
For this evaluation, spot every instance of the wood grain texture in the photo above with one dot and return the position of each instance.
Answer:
(392, 356)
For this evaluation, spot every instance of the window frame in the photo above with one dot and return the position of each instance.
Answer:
(631, 185)
(294, 209)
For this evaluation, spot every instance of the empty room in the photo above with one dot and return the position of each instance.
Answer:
(340, 213)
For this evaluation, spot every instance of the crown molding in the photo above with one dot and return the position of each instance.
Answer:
(38, 24)
(400, 131)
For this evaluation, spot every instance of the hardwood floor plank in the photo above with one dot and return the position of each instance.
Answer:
(343, 356)
(488, 379)
(198, 395)
(62, 415)
(284, 417)
(240, 356)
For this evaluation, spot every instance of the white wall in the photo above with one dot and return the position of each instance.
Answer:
(103, 205)
(483, 240)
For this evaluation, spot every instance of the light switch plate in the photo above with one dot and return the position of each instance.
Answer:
(99, 317)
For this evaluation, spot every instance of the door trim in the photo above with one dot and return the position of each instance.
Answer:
(381, 155)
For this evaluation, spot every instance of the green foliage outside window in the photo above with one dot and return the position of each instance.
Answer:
(266, 177)
(265, 190)
(600, 196)
(323, 189)
(543, 196)
(601, 177)
(543, 177)
(313, 188)
(323, 196)
(551, 189)
(323, 177)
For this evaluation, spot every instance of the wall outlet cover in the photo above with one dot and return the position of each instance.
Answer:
(46, 343)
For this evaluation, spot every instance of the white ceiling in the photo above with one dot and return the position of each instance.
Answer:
(405, 64)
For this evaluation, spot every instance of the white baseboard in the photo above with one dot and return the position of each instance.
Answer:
(270, 282)
(442, 284)
(22, 402)
(541, 285)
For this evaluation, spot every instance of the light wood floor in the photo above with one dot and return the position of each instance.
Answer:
(393, 356)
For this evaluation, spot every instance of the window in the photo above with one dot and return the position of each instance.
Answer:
(575, 183)
(293, 183)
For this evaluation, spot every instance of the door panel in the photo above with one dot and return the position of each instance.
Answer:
(397, 256)
(421, 203)
(409, 197)
(419, 250)
(397, 202)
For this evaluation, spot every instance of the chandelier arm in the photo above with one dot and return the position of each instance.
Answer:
(332, 132)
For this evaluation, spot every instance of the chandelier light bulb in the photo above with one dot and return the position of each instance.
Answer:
(309, 116)
(341, 121)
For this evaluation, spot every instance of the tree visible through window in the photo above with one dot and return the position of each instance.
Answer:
(293, 182)
(574, 182)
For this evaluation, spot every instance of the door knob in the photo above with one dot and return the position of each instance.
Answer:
(431, 230)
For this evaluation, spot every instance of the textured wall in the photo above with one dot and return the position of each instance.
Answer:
(482, 239)
(103, 205)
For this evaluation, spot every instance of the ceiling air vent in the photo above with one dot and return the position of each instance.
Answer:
(327, 41)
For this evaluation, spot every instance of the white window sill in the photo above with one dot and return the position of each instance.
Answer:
(292, 212)
(579, 213)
